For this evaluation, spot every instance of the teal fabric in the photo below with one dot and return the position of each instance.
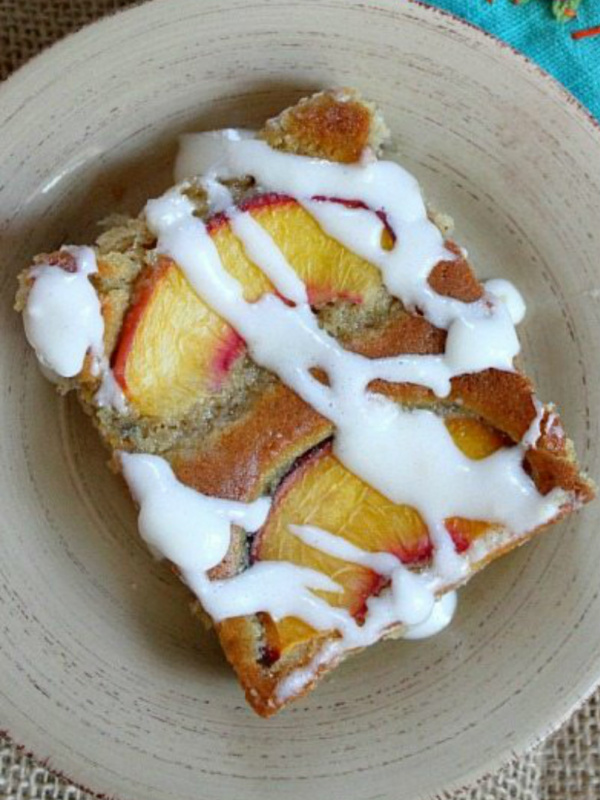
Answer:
(533, 30)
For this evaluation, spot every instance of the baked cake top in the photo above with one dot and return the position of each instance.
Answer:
(315, 403)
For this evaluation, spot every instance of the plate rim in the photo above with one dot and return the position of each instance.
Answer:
(44, 61)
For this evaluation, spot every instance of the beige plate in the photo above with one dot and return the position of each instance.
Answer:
(103, 670)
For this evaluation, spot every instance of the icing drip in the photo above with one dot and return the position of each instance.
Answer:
(63, 323)
(63, 318)
(441, 616)
(200, 152)
(109, 394)
(178, 523)
(299, 679)
(510, 296)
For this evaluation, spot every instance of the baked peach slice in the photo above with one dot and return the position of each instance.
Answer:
(174, 350)
(321, 492)
(172, 347)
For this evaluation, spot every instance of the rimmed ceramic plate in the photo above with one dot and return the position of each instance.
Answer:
(103, 670)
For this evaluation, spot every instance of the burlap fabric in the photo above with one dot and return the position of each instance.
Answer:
(566, 767)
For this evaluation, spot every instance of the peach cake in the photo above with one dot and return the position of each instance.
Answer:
(315, 403)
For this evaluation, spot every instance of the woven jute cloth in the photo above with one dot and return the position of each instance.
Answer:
(565, 767)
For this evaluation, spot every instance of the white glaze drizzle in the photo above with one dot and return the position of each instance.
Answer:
(200, 153)
(433, 475)
(412, 595)
(261, 249)
(533, 432)
(381, 186)
(510, 296)
(193, 531)
(441, 616)
(109, 393)
(299, 679)
(63, 318)
(262, 323)
(178, 523)
(63, 323)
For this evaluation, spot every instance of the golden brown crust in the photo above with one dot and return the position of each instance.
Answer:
(401, 333)
(455, 278)
(334, 125)
(552, 462)
(240, 638)
(244, 459)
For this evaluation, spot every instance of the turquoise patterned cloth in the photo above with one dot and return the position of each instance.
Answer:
(533, 30)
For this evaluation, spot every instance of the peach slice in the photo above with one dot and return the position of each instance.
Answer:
(321, 492)
(329, 270)
(174, 350)
(475, 438)
(172, 347)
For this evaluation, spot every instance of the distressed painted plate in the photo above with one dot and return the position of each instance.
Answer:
(104, 672)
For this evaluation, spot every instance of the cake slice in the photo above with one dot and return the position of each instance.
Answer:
(314, 401)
